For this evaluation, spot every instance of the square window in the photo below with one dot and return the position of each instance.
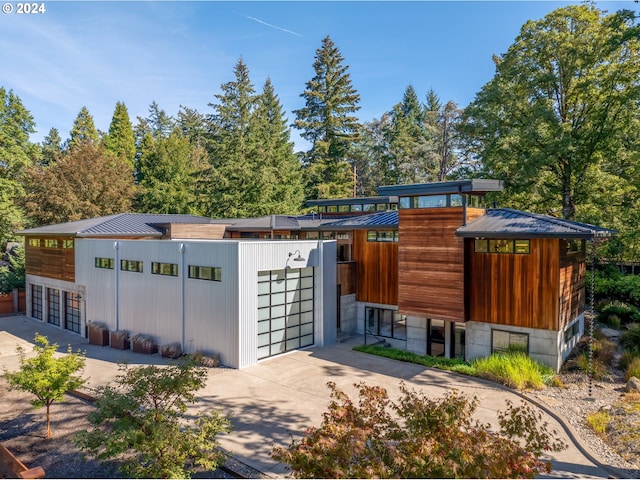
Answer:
(481, 245)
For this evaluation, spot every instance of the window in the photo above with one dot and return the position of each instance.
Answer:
(435, 344)
(51, 243)
(328, 235)
(482, 245)
(574, 246)
(312, 235)
(368, 207)
(383, 322)
(213, 274)
(356, 208)
(67, 243)
(131, 265)
(101, 262)
(382, 207)
(170, 269)
(332, 208)
(343, 208)
(72, 311)
(571, 331)
(430, 201)
(456, 200)
(405, 202)
(382, 236)
(36, 301)
(53, 296)
(503, 341)
(34, 242)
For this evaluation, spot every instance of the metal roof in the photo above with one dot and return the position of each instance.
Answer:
(123, 224)
(475, 185)
(507, 223)
(388, 219)
(269, 222)
(353, 201)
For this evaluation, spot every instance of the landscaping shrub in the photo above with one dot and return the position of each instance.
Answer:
(630, 338)
(617, 313)
(610, 283)
(599, 421)
(514, 369)
(633, 370)
(626, 358)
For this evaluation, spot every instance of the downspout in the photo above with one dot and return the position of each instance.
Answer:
(321, 288)
(182, 292)
(116, 267)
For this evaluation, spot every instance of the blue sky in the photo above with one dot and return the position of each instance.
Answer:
(95, 53)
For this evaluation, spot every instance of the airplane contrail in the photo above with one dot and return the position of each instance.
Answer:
(269, 24)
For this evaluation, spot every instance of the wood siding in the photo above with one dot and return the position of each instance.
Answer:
(50, 262)
(431, 262)
(377, 270)
(515, 289)
(196, 231)
(572, 284)
(346, 272)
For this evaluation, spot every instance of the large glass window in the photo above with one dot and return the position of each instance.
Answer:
(383, 322)
(285, 310)
(503, 341)
(36, 301)
(53, 306)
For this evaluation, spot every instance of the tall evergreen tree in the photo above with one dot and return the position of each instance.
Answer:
(120, 139)
(327, 121)
(83, 130)
(16, 154)
(374, 166)
(282, 189)
(51, 147)
(235, 189)
(167, 173)
(409, 140)
(193, 125)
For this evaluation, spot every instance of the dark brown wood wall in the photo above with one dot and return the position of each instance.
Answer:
(196, 230)
(377, 270)
(515, 289)
(431, 263)
(50, 262)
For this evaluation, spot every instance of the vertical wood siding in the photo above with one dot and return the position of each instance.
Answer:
(377, 270)
(514, 289)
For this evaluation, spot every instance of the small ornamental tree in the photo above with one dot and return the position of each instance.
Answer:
(142, 422)
(418, 437)
(46, 377)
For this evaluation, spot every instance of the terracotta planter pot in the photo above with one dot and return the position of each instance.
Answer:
(98, 335)
(144, 344)
(120, 340)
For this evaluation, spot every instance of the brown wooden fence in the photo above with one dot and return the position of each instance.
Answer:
(11, 467)
(8, 302)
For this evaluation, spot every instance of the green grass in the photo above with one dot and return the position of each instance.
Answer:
(633, 370)
(599, 421)
(514, 369)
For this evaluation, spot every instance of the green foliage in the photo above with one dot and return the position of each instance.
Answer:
(558, 122)
(85, 182)
(611, 284)
(630, 338)
(13, 275)
(418, 437)
(51, 147)
(327, 121)
(451, 364)
(603, 353)
(514, 369)
(83, 130)
(599, 421)
(46, 377)
(627, 358)
(120, 140)
(142, 421)
(633, 370)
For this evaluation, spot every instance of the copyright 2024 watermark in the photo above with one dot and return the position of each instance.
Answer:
(31, 8)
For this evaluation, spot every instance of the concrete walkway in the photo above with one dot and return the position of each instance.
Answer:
(280, 397)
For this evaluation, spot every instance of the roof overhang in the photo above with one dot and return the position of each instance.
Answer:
(475, 185)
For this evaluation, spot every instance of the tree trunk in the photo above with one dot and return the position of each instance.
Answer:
(48, 422)
(568, 208)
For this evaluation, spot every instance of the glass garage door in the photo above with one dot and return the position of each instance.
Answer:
(285, 310)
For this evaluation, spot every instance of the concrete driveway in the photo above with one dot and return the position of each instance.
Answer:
(280, 397)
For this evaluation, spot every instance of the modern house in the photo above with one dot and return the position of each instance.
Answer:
(423, 267)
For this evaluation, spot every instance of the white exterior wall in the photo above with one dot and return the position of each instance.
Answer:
(214, 317)
(545, 346)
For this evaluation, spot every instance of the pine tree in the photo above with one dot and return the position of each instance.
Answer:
(120, 139)
(168, 172)
(51, 147)
(83, 130)
(282, 189)
(327, 121)
(16, 154)
(235, 188)
(193, 126)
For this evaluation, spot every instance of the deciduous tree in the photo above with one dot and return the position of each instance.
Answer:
(142, 420)
(418, 437)
(46, 377)
(327, 121)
